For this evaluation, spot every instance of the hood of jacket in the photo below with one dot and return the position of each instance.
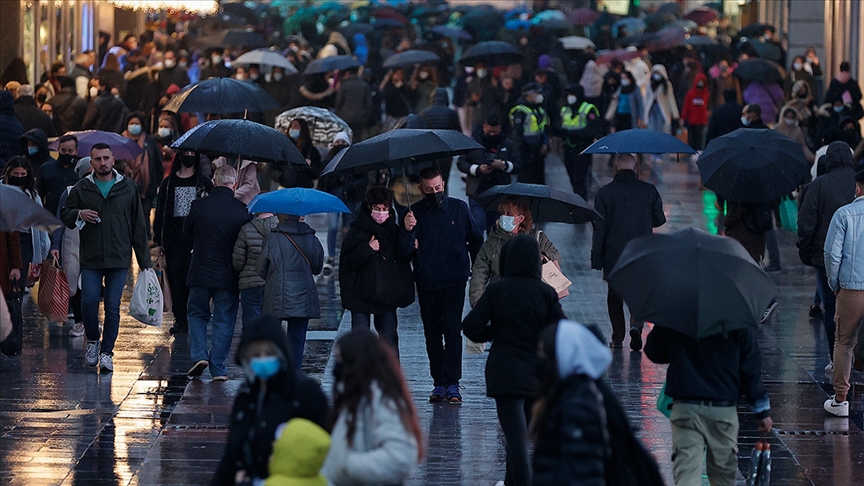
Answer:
(579, 352)
(265, 225)
(659, 68)
(294, 227)
(520, 257)
(7, 103)
(839, 155)
(265, 328)
(440, 97)
(700, 77)
(38, 136)
(300, 451)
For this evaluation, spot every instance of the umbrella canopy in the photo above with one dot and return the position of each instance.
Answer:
(387, 24)
(333, 63)
(545, 203)
(323, 124)
(637, 39)
(243, 138)
(702, 15)
(699, 40)
(623, 55)
(755, 31)
(667, 39)
(639, 141)
(355, 28)
(410, 58)
(451, 32)
(583, 16)
(559, 26)
(494, 53)
(549, 15)
(266, 57)
(575, 42)
(753, 165)
(389, 13)
(298, 201)
(760, 70)
(19, 212)
(401, 147)
(232, 37)
(221, 95)
(692, 282)
(765, 50)
(122, 147)
(632, 25)
(517, 24)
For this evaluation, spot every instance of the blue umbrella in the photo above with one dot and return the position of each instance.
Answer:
(517, 24)
(122, 147)
(298, 201)
(639, 141)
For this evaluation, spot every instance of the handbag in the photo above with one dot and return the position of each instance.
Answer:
(399, 292)
(53, 299)
(789, 214)
(11, 345)
(553, 277)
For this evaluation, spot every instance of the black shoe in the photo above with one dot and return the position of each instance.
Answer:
(179, 329)
(198, 368)
(616, 344)
(635, 339)
(816, 312)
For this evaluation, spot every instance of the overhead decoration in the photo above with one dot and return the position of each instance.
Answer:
(191, 6)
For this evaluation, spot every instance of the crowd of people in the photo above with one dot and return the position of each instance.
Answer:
(221, 261)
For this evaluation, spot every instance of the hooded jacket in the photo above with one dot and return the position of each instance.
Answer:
(298, 455)
(695, 109)
(10, 129)
(106, 113)
(769, 96)
(513, 311)
(31, 116)
(795, 132)
(440, 115)
(258, 412)
(37, 136)
(289, 289)
(664, 98)
(52, 181)
(824, 196)
(248, 248)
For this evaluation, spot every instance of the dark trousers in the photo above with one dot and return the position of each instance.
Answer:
(441, 312)
(615, 306)
(533, 169)
(578, 168)
(297, 335)
(695, 136)
(512, 415)
(75, 305)
(385, 326)
(177, 261)
(829, 301)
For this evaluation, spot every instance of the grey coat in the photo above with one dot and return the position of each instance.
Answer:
(247, 249)
(289, 289)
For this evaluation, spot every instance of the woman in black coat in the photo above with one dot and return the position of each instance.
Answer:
(373, 278)
(513, 311)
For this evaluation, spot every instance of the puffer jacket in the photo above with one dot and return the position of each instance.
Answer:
(247, 249)
(440, 115)
(844, 247)
(289, 289)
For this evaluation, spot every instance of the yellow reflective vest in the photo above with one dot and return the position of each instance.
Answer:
(535, 123)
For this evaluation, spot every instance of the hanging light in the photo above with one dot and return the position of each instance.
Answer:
(190, 6)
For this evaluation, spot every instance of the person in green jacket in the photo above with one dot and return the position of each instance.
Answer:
(106, 208)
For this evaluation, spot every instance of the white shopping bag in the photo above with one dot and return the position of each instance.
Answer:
(146, 304)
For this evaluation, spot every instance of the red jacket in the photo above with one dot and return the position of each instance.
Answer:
(695, 111)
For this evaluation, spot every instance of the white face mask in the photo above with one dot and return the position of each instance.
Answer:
(423, 75)
(240, 77)
(164, 132)
(94, 91)
(169, 63)
(481, 73)
(277, 76)
(797, 66)
(538, 99)
(657, 77)
(625, 82)
(294, 134)
(790, 121)
(216, 60)
(571, 99)
(745, 121)
(183, 64)
(253, 76)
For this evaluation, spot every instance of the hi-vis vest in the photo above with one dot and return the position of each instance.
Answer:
(535, 121)
(578, 120)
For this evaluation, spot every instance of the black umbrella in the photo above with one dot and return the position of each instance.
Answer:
(755, 30)
(767, 51)
(493, 53)
(232, 37)
(452, 32)
(545, 203)
(18, 212)
(333, 63)
(221, 95)
(753, 165)
(692, 282)
(243, 138)
(410, 58)
(760, 70)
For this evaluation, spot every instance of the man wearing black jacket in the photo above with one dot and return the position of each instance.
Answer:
(705, 378)
(725, 118)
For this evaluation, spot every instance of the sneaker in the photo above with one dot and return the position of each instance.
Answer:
(767, 314)
(91, 357)
(453, 395)
(437, 394)
(328, 267)
(106, 363)
(77, 330)
(616, 344)
(198, 368)
(840, 409)
(816, 312)
(635, 338)
(220, 378)
(179, 329)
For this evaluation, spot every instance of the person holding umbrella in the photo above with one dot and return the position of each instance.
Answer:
(529, 121)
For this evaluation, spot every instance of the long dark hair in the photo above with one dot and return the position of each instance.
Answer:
(304, 141)
(14, 163)
(366, 359)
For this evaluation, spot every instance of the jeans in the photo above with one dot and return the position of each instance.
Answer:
(484, 219)
(224, 317)
(512, 415)
(250, 303)
(385, 326)
(773, 249)
(578, 168)
(177, 261)
(297, 335)
(441, 312)
(91, 287)
(615, 306)
(829, 302)
(697, 427)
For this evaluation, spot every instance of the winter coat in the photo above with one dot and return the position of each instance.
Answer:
(106, 113)
(720, 84)
(503, 148)
(794, 76)
(396, 100)
(513, 311)
(41, 157)
(10, 129)
(381, 452)
(298, 455)
(258, 412)
(167, 228)
(52, 180)
(147, 186)
(824, 196)
(440, 115)
(354, 101)
(212, 226)
(836, 90)
(247, 179)
(769, 96)
(247, 249)
(10, 251)
(844, 258)
(695, 109)
(289, 289)
(724, 119)
(629, 208)
(165, 77)
(488, 262)
(491, 98)
(664, 98)
(592, 79)
(795, 132)
(635, 99)
(109, 243)
(69, 110)
(373, 282)
(31, 116)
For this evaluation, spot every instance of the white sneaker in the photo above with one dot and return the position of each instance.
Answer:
(91, 357)
(840, 409)
(77, 330)
(767, 314)
(106, 363)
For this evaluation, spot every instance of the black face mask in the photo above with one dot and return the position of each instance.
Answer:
(16, 181)
(187, 161)
(491, 140)
(66, 159)
(435, 198)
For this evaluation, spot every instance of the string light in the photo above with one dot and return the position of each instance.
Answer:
(191, 6)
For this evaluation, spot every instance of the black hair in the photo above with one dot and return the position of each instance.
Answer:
(859, 177)
(493, 120)
(101, 146)
(105, 80)
(19, 161)
(430, 173)
(66, 138)
(755, 109)
(379, 195)
(66, 82)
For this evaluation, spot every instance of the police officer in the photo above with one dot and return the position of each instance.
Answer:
(579, 127)
(529, 121)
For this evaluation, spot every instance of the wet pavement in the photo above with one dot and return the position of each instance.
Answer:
(147, 424)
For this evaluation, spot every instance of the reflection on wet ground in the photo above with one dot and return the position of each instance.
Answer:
(63, 423)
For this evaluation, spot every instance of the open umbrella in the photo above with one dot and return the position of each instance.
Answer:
(387, 24)
(753, 165)
(494, 53)
(692, 282)
(575, 42)
(545, 203)
(699, 40)
(517, 24)
(333, 63)
(667, 39)
(122, 147)
(19, 212)
(232, 37)
(298, 201)
(702, 15)
(759, 70)
(243, 138)
(632, 25)
(451, 32)
(410, 58)
(764, 50)
(557, 26)
(639, 141)
(323, 124)
(623, 55)
(754, 31)
(583, 16)
(221, 95)
(266, 57)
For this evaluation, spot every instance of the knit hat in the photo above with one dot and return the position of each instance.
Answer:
(343, 136)
(83, 166)
(544, 62)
